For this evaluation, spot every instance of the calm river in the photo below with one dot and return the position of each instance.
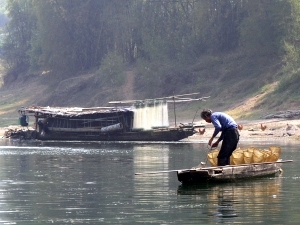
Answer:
(95, 183)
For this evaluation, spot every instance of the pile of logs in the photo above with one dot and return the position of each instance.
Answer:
(17, 133)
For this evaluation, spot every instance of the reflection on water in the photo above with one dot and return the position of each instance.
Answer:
(94, 183)
(159, 155)
(224, 201)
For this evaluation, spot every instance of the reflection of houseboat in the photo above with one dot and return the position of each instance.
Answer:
(143, 121)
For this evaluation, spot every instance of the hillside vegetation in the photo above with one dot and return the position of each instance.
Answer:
(243, 54)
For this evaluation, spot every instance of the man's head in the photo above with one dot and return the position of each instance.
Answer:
(205, 114)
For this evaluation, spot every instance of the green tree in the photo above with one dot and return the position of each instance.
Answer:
(55, 35)
(76, 35)
(263, 28)
(292, 37)
(20, 29)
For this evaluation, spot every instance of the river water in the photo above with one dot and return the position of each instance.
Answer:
(95, 183)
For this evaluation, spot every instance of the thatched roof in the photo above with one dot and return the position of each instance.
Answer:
(69, 111)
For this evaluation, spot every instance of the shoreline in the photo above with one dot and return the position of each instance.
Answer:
(267, 128)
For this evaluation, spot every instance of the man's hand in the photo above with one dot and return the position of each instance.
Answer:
(215, 144)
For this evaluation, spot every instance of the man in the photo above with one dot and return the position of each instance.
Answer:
(230, 135)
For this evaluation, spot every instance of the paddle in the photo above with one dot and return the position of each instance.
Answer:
(164, 171)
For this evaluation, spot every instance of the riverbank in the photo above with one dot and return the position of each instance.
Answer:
(276, 128)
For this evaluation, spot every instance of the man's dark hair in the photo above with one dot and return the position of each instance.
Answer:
(205, 113)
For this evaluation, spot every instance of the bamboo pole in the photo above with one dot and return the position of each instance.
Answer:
(215, 167)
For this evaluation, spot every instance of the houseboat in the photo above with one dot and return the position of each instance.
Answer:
(144, 120)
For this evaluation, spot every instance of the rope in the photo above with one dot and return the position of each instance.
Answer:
(195, 114)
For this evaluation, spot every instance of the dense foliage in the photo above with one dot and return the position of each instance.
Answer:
(162, 37)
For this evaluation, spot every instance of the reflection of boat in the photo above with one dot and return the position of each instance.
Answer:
(145, 120)
(230, 200)
(230, 172)
(253, 188)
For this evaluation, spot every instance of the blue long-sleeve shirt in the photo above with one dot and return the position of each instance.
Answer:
(221, 122)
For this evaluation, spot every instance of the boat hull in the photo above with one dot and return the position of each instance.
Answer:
(151, 135)
(228, 173)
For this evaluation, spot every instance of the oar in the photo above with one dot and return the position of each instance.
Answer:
(164, 171)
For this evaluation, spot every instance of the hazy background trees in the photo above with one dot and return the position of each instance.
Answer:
(160, 37)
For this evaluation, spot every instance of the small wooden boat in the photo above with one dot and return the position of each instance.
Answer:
(230, 172)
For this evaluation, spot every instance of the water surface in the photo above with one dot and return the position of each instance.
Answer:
(94, 183)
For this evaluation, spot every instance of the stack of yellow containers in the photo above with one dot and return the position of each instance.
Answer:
(246, 156)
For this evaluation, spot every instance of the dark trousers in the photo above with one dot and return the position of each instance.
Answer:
(230, 140)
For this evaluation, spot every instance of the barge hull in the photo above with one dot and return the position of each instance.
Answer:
(168, 135)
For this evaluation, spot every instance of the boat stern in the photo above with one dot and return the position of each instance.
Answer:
(193, 176)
